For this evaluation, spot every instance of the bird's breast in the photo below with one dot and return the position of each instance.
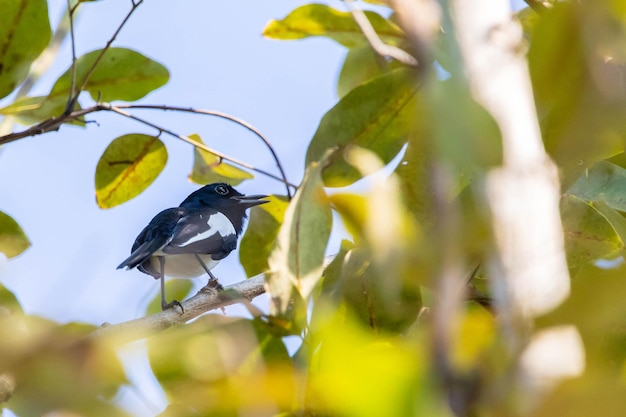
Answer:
(185, 265)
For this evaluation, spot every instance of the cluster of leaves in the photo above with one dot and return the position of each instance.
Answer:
(365, 350)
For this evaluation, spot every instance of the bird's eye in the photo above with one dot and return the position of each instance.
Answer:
(220, 189)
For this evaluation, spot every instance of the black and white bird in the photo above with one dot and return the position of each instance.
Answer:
(189, 240)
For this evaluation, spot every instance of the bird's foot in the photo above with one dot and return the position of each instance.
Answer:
(212, 285)
(165, 306)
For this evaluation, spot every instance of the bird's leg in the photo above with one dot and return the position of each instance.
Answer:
(164, 304)
(213, 282)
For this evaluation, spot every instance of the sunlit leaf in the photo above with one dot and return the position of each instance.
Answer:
(602, 182)
(24, 34)
(31, 110)
(296, 263)
(260, 237)
(121, 74)
(588, 235)
(13, 240)
(127, 167)
(377, 116)
(209, 168)
(321, 20)
(175, 289)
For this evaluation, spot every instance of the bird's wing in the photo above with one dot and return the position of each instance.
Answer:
(204, 232)
(153, 237)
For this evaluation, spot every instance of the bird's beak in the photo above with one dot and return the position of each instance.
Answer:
(251, 200)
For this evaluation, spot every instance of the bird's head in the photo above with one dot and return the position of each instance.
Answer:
(222, 195)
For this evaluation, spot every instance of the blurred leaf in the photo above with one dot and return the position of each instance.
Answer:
(59, 367)
(528, 18)
(121, 74)
(31, 110)
(209, 168)
(127, 167)
(207, 367)
(414, 174)
(24, 34)
(588, 234)
(260, 236)
(602, 182)
(466, 133)
(321, 20)
(377, 116)
(581, 124)
(360, 66)
(13, 240)
(175, 289)
(296, 263)
(9, 301)
(359, 373)
(367, 292)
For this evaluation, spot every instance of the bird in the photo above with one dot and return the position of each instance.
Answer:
(190, 240)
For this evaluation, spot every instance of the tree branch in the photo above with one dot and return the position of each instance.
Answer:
(200, 303)
(374, 40)
(55, 123)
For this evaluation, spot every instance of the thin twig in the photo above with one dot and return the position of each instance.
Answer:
(374, 40)
(187, 139)
(71, 100)
(74, 98)
(222, 115)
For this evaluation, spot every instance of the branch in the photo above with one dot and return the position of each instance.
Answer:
(226, 116)
(55, 123)
(200, 303)
(374, 40)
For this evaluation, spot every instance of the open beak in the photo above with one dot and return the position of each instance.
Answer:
(251, 200)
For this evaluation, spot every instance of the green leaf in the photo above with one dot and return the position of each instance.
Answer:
(127, 167)
(31, 110)
(377, 116)
(209, 168)
(321, 20)
(9, 301)
(13, 240)
(588, 234)
(121, 74)
(24, 34)
(258, 241)
(296, 263)
(175, 289)
(466, 133)
(360, 66)
(602, 182)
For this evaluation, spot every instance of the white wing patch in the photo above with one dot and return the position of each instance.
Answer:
(218, 223)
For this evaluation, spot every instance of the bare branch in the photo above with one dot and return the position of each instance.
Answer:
(200, 303)
(55, 123)
(187, 139)
(222, 115)
(374, 40)
(71, 99)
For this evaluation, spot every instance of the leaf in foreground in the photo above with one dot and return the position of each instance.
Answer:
(296, 264)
